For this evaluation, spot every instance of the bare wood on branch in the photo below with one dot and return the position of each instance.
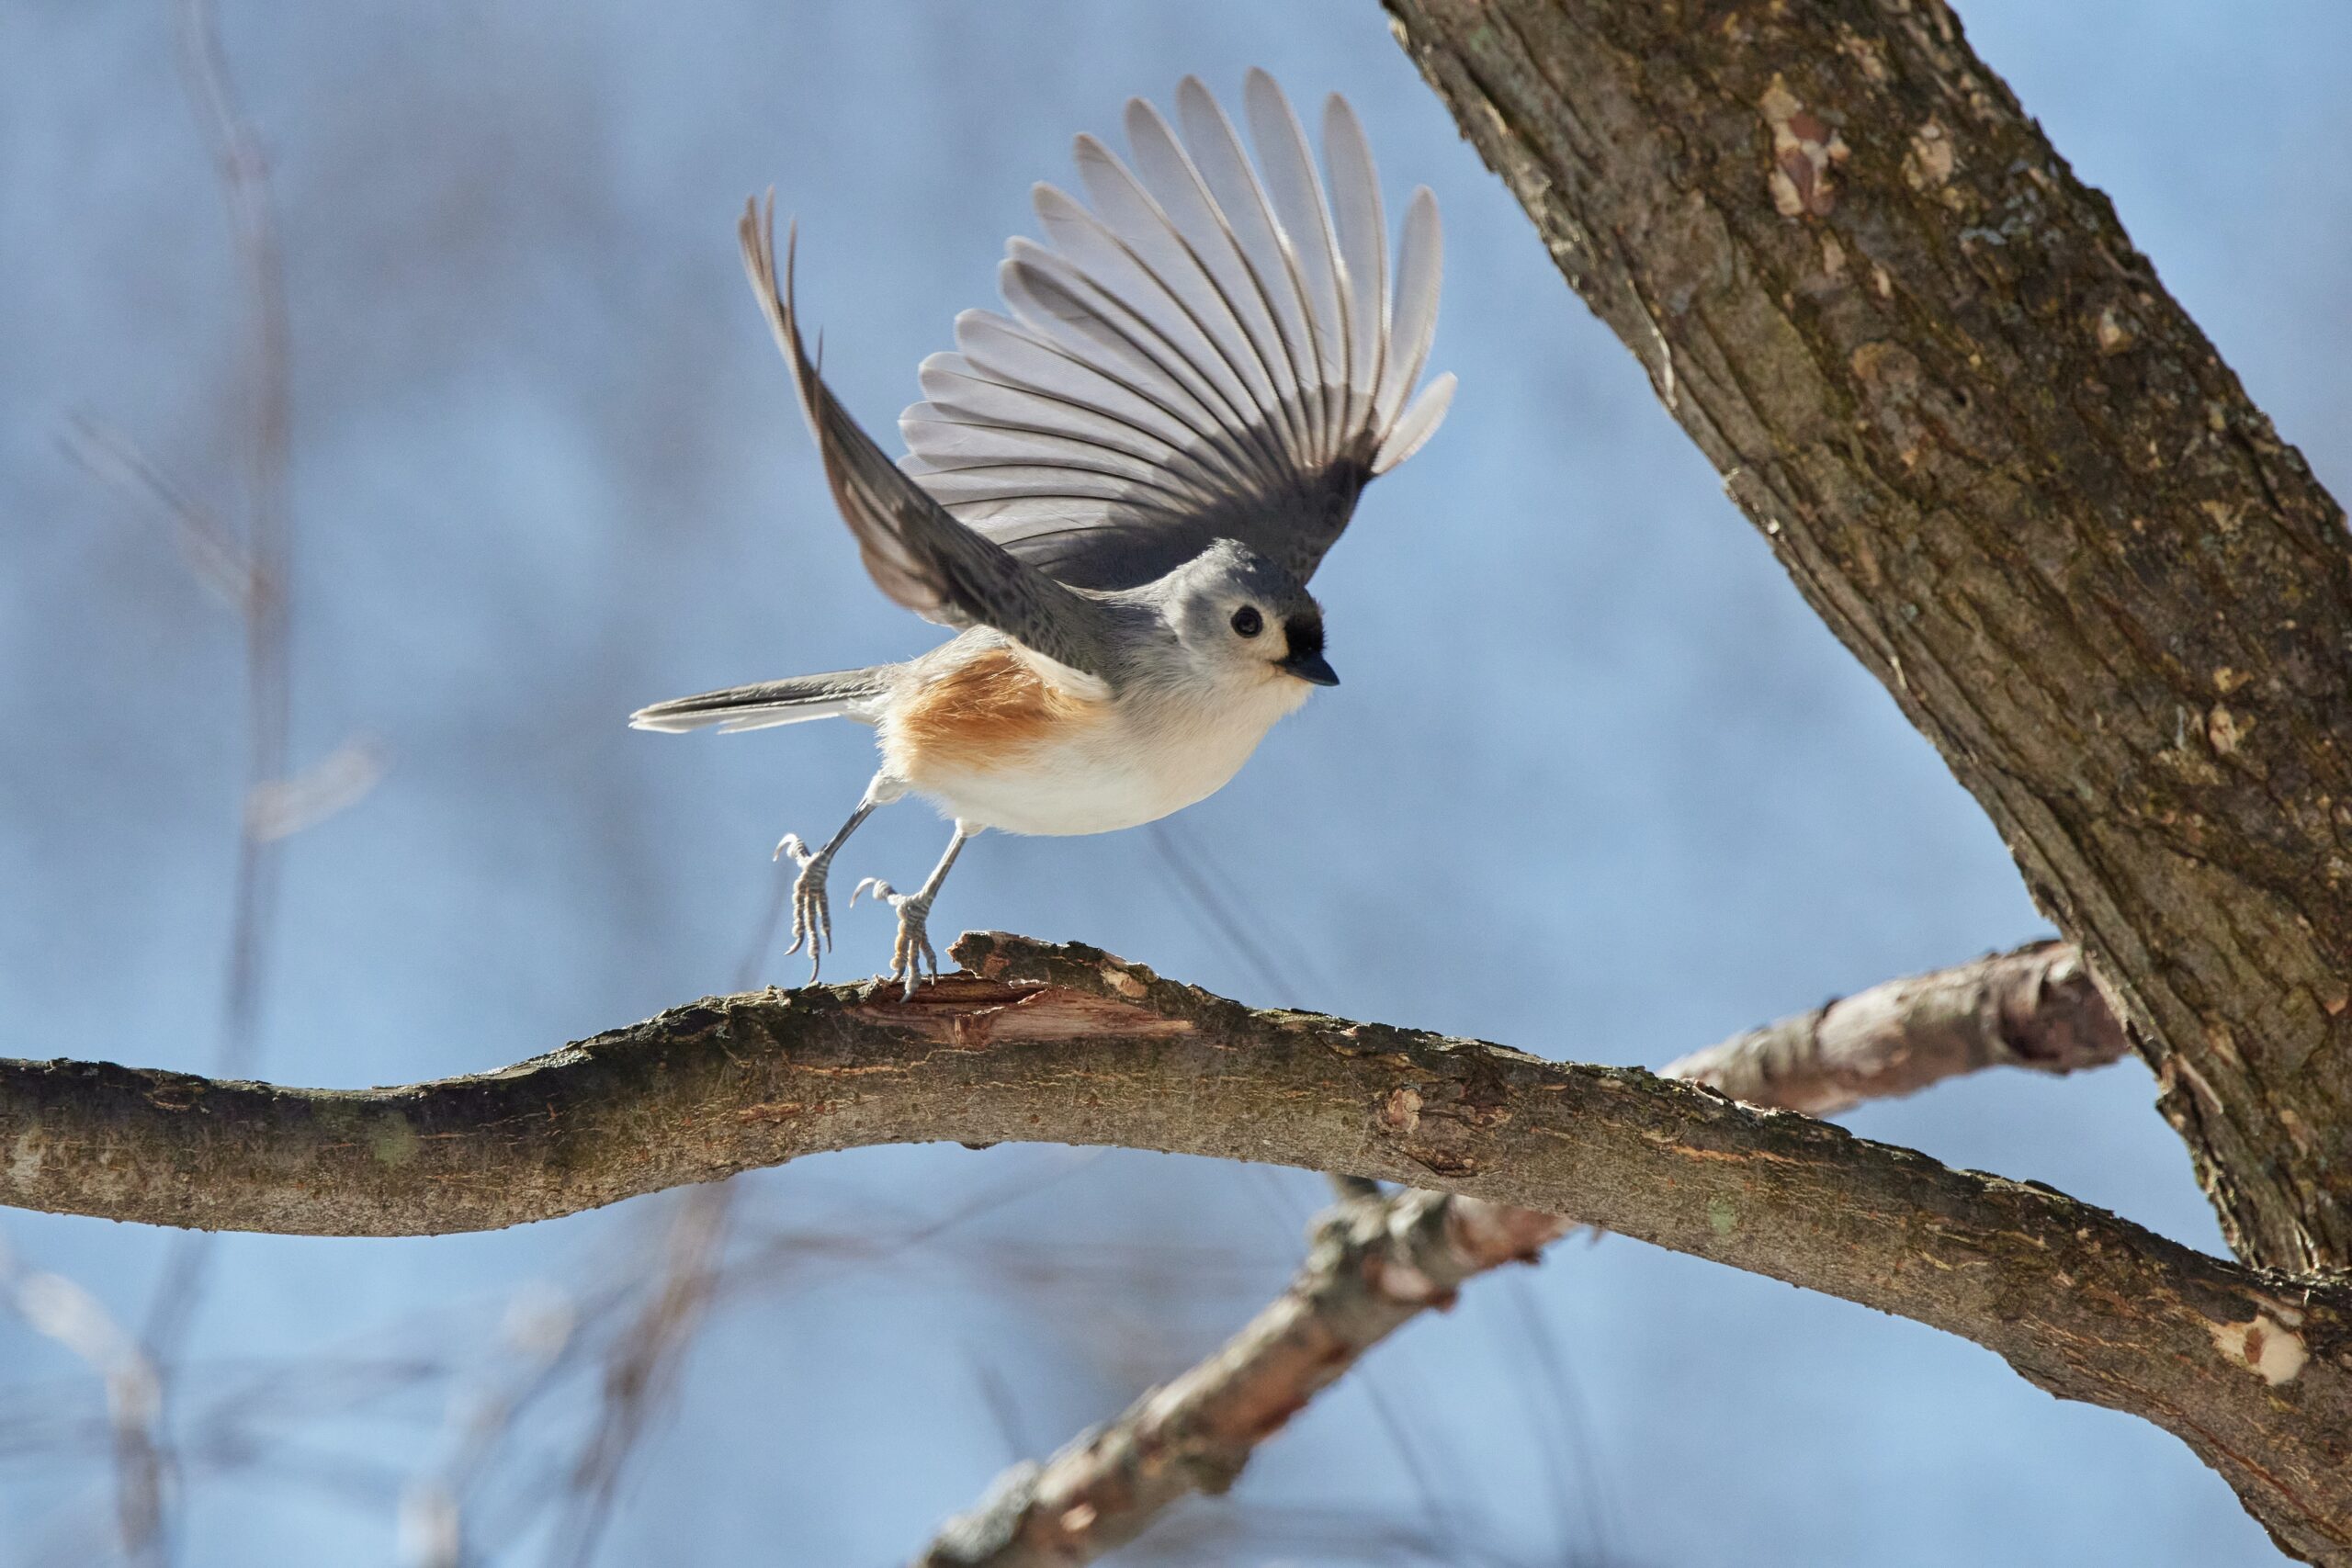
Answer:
(1068, 1045)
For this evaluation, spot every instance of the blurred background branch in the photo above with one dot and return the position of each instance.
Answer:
(1376, 1262)
(252, 570)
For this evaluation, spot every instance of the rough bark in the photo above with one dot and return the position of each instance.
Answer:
(2016, 480)
(1376, 1263)
(2034, 1007)
(1374, 1266)
(1067, 1044)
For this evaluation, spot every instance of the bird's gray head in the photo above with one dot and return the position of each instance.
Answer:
(1240, 616)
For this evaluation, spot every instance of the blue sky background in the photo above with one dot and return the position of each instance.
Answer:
(1598, 785)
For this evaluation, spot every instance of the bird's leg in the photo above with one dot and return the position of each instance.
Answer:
(812, 912)
(913, 947)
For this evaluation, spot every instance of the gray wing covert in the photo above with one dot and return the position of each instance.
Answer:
(914, 550)
(1211, 352)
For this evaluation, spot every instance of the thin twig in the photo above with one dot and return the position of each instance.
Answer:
(644, 1368)
(267, 563)
(214, 554)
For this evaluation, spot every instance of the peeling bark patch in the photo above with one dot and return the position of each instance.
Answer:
(1927, 164)
(1402, 1114)
(2114, 332)
(1882, 365)
(1443, 1162)
(2227, 730)
(946, 1012)
(1868, 53)
(2262, 1345)
(1891, 376)
(1804, 151)
(2224, 516)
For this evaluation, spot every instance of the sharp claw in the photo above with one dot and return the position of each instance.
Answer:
(910, 950)
(812, 918)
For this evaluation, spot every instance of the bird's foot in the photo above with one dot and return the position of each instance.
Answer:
(912, 949)
(812, 911)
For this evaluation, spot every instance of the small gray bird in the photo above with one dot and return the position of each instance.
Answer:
(1118, 493)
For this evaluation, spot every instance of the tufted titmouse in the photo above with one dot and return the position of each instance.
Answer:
(1119, 490)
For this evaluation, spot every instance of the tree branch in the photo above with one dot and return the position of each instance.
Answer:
(1374, 1264)
(1068, 1045)
(2015, 479)
(2034, 1007)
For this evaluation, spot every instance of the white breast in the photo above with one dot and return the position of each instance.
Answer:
(1150, 754)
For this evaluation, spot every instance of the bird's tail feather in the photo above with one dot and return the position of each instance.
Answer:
(848, 694)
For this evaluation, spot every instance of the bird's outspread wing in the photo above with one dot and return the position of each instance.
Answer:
(1211, 352)
(915, 551)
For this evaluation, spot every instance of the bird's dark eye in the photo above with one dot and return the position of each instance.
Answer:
(1248, 622)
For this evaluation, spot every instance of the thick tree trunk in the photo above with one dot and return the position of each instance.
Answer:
(2016, 480)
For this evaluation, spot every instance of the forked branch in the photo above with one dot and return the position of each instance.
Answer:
(1068, 1045)
(1375, 1263)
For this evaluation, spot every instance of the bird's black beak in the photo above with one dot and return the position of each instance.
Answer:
(1310, 665)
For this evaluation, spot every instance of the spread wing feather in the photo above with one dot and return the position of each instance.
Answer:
(916, 552)
(1412, 322)
(1205, 351)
